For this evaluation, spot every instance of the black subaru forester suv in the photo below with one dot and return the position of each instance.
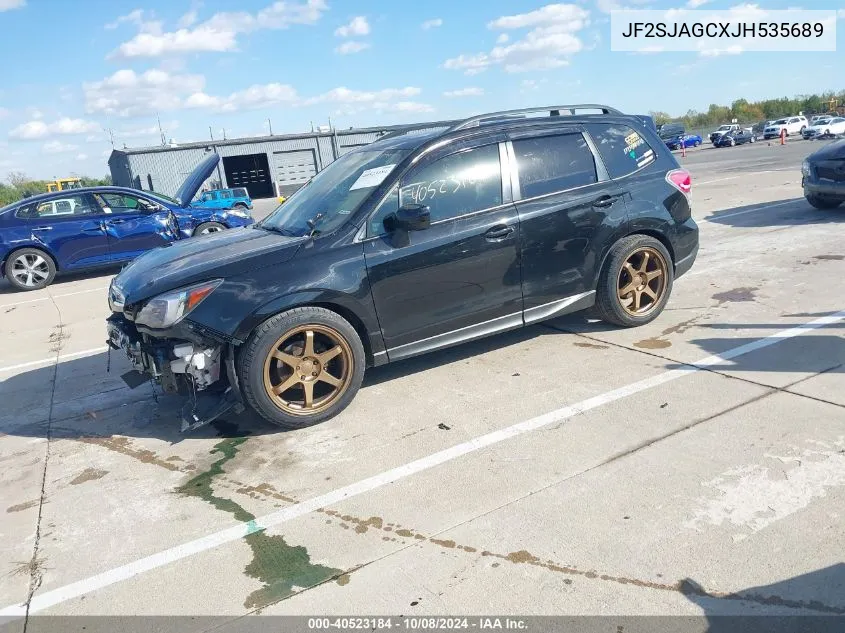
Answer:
(420, 240)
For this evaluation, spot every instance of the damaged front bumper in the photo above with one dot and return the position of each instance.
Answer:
(201, 370)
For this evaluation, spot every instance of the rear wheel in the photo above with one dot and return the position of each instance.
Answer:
(635, 282)
(241, 206)
(302, 367)
(209, 227)
(30, 269)
(823, 203)
(696, 144)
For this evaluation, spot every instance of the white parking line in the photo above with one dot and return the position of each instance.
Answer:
(53, 359)
(765, 207)
(710, 182)
(124, 572)
(67, 294)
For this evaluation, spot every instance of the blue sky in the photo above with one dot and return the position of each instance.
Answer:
(76, 69)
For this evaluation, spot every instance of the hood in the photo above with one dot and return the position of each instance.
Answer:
(195, 179)
(831, 151)
(224, 254)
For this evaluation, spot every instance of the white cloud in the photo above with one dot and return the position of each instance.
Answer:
(82, 157)
(347, 48)
(219, 33)
(256, 96)
(551, 40)
(357, 27)
(410, 106)
(65, 126)
(544, 16)
(135, 17)
(431, 24)
(465, 92)
(716, 52)
(57, 147)
(504, 38)
(8, 5)
(190, 17)
(694, 4)
(345, 95)
(127, 93)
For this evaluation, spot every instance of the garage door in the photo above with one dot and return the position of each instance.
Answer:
(250, 171)
(293, 169)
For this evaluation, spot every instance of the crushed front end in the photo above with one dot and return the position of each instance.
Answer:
(166, 349)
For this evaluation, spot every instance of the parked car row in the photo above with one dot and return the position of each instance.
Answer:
(825, 127)
(87, 228)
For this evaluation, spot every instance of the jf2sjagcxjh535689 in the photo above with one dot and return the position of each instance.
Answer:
(421, 240)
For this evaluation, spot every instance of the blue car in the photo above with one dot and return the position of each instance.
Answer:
(81, 229)
(237, 198)
(687, 140)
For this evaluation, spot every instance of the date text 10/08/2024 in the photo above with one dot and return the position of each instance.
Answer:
(417, 623)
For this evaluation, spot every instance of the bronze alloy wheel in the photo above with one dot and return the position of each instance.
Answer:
(308, 369)
(642, 281)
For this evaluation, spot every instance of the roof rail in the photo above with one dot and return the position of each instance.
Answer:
(552, 110)
(419, 127)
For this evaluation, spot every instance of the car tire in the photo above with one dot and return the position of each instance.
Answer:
(822, 203)
(206, 228)
(696, 143)
(30, 265)
(240, 205)
(624, 264)
(332, 367)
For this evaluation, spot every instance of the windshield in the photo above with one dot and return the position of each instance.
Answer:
(822, 121)
(330, 197)
(724, 127)
(780, 122)
(160, 197)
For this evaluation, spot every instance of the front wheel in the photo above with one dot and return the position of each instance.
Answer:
(302, 367)
(207, 228)
(696, 144)
(636, 281)
(30, 269)
(823, 203)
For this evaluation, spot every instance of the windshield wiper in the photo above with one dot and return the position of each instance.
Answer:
(275, 229)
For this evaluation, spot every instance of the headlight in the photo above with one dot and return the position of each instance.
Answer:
(239, 213)
(805, 168)
(169, 308)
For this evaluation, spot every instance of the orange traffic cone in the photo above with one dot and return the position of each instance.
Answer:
(783, 136)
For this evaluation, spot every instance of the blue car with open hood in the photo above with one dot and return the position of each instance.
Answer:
(93, 227)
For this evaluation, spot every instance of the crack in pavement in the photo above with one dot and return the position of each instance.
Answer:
(36, 565)
(707, 368)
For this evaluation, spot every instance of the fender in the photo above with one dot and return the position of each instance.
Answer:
(361, 314)
(647, 226)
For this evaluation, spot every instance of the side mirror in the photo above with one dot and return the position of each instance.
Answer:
(411, 217)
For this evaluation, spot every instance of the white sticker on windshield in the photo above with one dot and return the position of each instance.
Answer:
(372, 177)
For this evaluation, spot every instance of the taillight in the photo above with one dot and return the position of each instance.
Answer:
(680, 179)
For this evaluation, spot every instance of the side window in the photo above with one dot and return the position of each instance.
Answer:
(623, 150)
(119, 203)
(67, 207)
(389, 205)
(226, 195)
(240, 193)
(548, 164)
(452, 186)
(206, 196)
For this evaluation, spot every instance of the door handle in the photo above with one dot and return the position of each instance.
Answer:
(99, 228)
(115, 221)
(38, 229)
(498, 232)
(605, 201)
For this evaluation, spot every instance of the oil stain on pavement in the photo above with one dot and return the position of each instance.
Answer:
(279, 566)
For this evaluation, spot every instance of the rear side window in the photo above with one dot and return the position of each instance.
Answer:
(69, 206)
(226, 195)
(548, 164)
(240, 193)
(623, 149)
